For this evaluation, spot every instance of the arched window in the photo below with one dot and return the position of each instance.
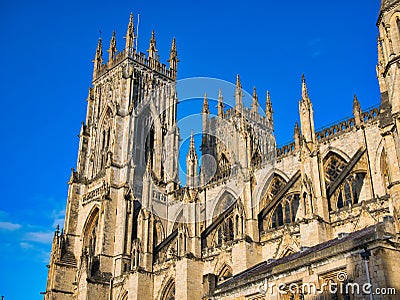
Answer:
(225, 273)
(333, 166)
(398, 25)
(256, 160)
(91, 232)
(224, 166)
(348, 193)
(224, 232)
(277, 184)
(285, 212)
(169, 292)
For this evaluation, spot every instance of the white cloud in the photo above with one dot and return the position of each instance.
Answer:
(58, 217)
(40, 237)
(9, 226)
(25, 245)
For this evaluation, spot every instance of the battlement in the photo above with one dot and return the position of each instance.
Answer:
(329, 132)
(140, 58)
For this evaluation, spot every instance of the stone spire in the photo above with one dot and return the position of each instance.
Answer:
(98, 58)
(152, 48)
(268, 110)
(304, 90)
(239, 95)
(206, 109)
(357, 112)
(130, 34)
(220, 104)
(254, 102)
(173, 58)
(297, 136)
(306, 114)
(113, 48)
(191, 164)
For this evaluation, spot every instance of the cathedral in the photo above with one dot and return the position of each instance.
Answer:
(252, 221)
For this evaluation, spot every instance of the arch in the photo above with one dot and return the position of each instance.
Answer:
(158, 233)
(168, 292)
(224, 273)
(264, 182)
(90, 230)
(225, 201)
(284, 213)
(334, 150)
(124, 296)
(275, 183)
(334, 164)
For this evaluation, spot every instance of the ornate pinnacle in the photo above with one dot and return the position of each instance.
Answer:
(206, 109)
(220, 104)
(296, 129)
(238, 94)
(192, 148)
(113, 47)
(152, 48)
(357, 111)
(99, 51)
(268, 109)
(304, 91)
(173, 57)
(254, 103)
(130, 34)
(297, 136)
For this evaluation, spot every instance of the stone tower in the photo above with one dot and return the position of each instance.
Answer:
(130, 130)
(388, 72)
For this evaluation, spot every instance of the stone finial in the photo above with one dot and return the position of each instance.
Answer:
(206, 109)
(254, 103)
(191, 164)
(192, 147)
(152, 48)
(113, 48)
(130, 34)
(173, 58)
(98, 58)
(304, 90)
(296, 136)
(358, 119)
(220, 104)
(239, 94)
(306, 114)
(268, 109)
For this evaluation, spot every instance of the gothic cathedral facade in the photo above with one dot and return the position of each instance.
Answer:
(323, 209)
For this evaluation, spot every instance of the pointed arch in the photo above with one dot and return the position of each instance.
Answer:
(90, 230)
(168, 292)
(224, 273)
(225, 202)
(334, 164)
(263, 183)
(274, 184)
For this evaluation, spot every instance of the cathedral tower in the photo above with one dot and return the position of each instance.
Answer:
(130, 130)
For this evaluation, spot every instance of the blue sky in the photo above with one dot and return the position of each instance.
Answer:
(46, 69)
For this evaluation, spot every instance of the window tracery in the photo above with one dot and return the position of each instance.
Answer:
(333, 166)
(224, 274)
(349, 192)
(169, 293)
(285, 212)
